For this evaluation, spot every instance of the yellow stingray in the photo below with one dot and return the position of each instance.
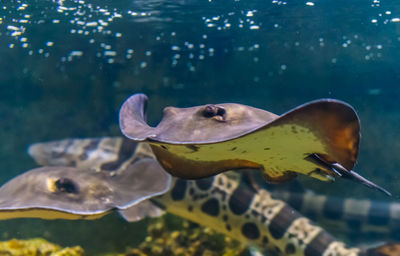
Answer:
(319, 139)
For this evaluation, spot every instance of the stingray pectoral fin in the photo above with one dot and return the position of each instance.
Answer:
(142, 180)
(140, 211)
(193, 162)
(132, 118)
(332, 123)
(48, 214)
(177, 162)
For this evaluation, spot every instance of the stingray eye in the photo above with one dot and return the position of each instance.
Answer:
(212, 111)
(66, 185)
(221, 112)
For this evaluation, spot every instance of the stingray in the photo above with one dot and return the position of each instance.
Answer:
(319, 139)
(73, 193)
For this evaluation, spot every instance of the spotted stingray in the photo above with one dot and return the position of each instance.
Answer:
(319, 139)
(98, 166)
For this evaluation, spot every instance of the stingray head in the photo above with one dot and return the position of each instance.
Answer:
(73, 193)
(205, 140)
(195, 125)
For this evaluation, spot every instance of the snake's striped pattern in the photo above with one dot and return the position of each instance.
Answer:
(249, 216)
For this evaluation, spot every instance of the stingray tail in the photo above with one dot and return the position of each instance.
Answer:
(389, 249)
(352, 175)
(341, 171)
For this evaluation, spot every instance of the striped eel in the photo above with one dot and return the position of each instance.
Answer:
(223, 202)
(349, 216)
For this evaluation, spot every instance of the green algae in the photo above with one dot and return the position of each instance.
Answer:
(37, 247)
(172, 236)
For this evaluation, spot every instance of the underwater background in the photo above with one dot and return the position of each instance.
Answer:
(67, 66)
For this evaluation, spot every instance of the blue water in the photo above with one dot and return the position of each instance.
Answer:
(67, 66)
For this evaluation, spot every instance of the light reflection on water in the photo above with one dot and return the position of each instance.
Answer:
(111, 30)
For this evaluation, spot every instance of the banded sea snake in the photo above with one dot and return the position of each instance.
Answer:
(223, 202)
